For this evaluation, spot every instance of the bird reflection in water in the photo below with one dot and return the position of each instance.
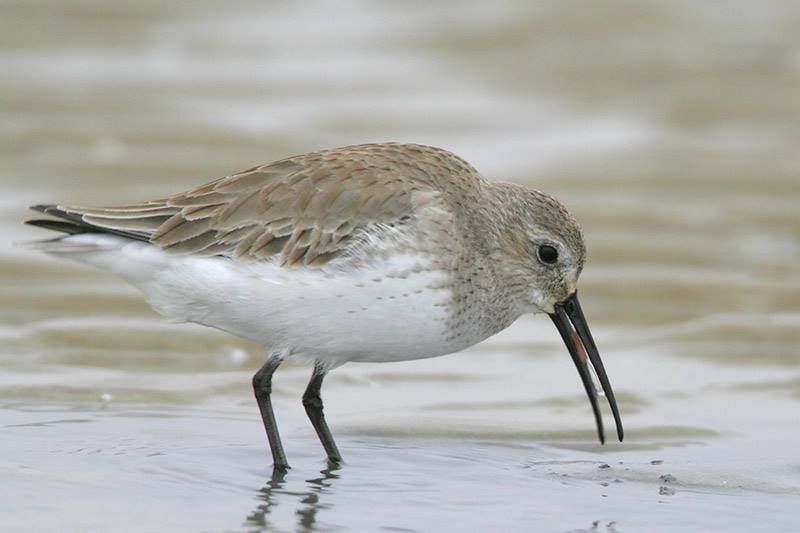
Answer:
(308, 500)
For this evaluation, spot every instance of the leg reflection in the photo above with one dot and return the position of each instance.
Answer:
(308, 500)
(266, 495)
(311, 502)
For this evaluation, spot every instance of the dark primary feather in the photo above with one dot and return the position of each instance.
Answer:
(74, 223)
(62, 226)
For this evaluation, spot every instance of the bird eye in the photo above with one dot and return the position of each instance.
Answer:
(548, 254)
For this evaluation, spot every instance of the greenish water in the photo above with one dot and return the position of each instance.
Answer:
(669, 128)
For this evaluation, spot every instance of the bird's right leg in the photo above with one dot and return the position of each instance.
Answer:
(262, 386)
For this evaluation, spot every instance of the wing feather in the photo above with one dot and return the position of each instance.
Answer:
(305, 210)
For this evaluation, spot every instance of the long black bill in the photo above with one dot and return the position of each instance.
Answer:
(568, 315)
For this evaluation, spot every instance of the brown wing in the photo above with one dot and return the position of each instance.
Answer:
(308, 209)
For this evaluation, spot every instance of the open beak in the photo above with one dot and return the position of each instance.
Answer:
(568, 318)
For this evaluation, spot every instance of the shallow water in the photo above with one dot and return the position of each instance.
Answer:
(669, 128)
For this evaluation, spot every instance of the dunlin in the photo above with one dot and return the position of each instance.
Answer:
(376, 252)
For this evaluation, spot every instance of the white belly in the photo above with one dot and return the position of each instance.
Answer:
(391, 310)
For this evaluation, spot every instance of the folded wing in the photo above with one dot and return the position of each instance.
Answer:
(305, 210)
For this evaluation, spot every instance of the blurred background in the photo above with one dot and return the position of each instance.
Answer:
(669, 128)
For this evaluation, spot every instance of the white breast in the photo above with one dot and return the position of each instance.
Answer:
(387, 310)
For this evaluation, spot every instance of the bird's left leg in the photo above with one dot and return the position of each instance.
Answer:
(312, 401)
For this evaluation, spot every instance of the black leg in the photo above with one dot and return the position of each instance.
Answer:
(262, 386)
(313, 404)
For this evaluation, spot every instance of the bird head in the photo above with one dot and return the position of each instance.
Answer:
(544, 254)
